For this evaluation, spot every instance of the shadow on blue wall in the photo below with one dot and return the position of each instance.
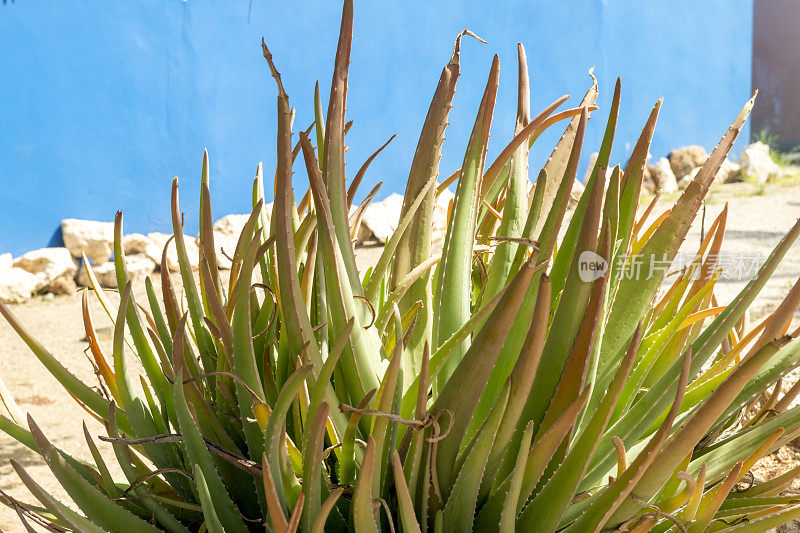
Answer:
(102, 103)
(56, 239)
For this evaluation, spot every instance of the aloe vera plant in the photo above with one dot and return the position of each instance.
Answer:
(497, 384)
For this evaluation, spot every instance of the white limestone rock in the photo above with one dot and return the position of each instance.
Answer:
(729, 172)
(663, 177)
(47, 264)
(757, 164)
(380, 219)
(17, 285)
(231, 224)
(440, 208)
(135, 243)
(156, 247)
(139, 267)
(683, 160)
(6, 261)
(104, 273)
(60, 286)
(95, 239)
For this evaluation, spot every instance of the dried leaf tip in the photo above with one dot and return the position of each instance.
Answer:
(457, 47)
(273, 70)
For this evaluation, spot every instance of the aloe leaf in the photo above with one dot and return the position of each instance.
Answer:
(312, 466)
(596, 516)
(404, 501)
(573, 377)
(143, 349)
(567, 246)
(24, 437)
(785, 359)
(515, 203)
(569, 317)
(381, 267)
(193, 299)
(766, 523)
(358, 212)
(347, 471)
(333, 168)
(298, 325)
(295, 319)
(324, 377)
(412, 444)
(171, 307)
(447, 348)
(103, 512)
(646, 360)
(538, 457)
(546, 242)
(415, 246)
(96, 287)
(693, 429)
(208, 251)
(99, 357)
(264, 224)
(105, 475)
(497, 175)
(631, 187)
(521, 380)
(452, 293)
(294, 519)
(557, 163)
(244, 364)
(384, 400)
(636, 420)
(399, 292)
(124, 459)
(508, 517)
(360, 360)
(199, 456)
(722, 455)
(586, 442)
(459, 511)
(275, 507)
(712, 500)
(210, 518)
(240, 486)
(324, 511)
(463, 389)
(353, 188)
(73, 519)
(363, 516)
(634, 294)
(272, 433)
(217, 311)
(164, 332)
(534, 211)
(770, 488)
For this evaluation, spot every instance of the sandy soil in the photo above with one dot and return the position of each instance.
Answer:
(755, 224)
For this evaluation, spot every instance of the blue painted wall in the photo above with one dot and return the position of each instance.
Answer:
(102, 103)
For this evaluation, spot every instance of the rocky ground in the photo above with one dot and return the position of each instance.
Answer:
(758, 217)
